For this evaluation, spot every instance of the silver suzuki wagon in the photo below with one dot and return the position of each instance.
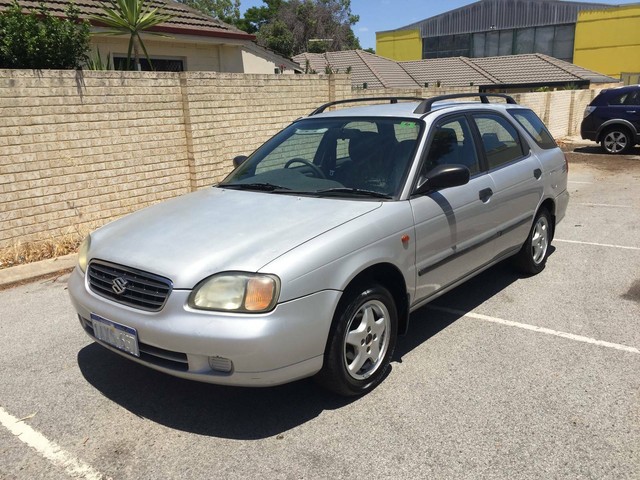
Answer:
(308, 259)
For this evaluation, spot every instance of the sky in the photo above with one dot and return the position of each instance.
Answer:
(381, 15)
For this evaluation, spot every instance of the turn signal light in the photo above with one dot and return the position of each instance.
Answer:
(260, 294)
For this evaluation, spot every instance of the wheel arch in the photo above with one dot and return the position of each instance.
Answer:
(390, 277)
(550, 205)
(618, 122)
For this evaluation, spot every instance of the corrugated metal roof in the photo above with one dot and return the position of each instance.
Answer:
(488, 15)
(512, 70)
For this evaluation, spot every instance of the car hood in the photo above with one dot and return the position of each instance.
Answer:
(189, 238)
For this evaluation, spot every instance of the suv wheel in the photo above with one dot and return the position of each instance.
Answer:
(616, 140)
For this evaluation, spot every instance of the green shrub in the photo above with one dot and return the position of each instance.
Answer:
(39, 40)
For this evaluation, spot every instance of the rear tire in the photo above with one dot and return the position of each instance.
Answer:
(361, 342)
(532, 257)
(616, 140)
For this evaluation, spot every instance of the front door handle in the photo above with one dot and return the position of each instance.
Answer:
(537, 173)
(485, 194)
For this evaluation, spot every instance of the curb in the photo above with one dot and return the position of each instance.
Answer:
(31, 271)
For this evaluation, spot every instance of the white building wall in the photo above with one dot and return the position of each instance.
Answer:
(196, 57)
(255, 64)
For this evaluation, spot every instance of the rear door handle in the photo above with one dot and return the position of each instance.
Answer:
(485, 194)
(631, 111)
(537, 173)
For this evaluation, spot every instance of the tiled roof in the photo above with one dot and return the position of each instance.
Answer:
(375, 71)
(578, 71)
(451, 72)
(186, 20)
(316, 61)
(536, 68)
(512, 70)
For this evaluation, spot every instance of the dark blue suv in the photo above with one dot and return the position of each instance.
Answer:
(613, 119)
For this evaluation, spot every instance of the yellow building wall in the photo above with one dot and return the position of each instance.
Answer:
(608, 41)
(402, 45)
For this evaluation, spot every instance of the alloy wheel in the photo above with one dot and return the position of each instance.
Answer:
(366, 340)
(615, 141)
(540, 240)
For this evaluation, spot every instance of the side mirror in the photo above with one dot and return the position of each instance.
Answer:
(443, 176)
(239, 160)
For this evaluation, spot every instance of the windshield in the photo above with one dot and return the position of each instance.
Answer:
(355, 157)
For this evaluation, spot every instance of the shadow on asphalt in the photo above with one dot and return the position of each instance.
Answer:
(597, 150)
(201, 408)
(255, 413)
(593, 150)
(427, 322)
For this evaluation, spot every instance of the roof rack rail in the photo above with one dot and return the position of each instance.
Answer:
(322, 108)
(425, 106)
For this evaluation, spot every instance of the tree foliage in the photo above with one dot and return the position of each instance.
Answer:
(291, 27)
(132, 17)
(226, 10)
(255, 17)
(41, 41)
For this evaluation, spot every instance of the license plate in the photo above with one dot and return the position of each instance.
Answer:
(120, 336)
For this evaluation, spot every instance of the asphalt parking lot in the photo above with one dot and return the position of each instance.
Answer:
(505, 377)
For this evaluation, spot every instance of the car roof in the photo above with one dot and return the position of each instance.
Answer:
(622, 89)
(407, 109)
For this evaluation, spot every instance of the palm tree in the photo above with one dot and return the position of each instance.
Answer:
(131, 17)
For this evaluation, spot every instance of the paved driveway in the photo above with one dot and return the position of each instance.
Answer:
(505, 377)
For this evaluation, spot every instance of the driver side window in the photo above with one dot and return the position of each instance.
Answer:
(452, 144)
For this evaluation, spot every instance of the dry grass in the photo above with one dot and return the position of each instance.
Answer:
(28, 252)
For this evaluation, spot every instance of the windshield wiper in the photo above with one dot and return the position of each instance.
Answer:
(354, 191)
(265, 187)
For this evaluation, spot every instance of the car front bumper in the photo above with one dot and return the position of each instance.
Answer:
(283, 345)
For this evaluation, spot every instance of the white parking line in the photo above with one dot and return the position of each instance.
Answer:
(603, 205)
(623, 247)
(49, 450)
(534, 328)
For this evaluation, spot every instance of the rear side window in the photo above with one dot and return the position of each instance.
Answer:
(534, 127)
(500, 139)
(627, 98)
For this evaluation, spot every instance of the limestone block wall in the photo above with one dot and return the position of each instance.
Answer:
(78, 149)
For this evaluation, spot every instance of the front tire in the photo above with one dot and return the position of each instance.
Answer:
(361, 342)
(532, 257)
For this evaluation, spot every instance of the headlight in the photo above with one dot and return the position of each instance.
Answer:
(83, 253)
(236, 292)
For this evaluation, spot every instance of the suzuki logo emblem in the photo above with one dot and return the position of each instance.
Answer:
(119, 285)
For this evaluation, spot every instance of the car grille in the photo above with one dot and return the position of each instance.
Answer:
(136, 288)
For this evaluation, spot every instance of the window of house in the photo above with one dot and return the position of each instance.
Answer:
(159, 64)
